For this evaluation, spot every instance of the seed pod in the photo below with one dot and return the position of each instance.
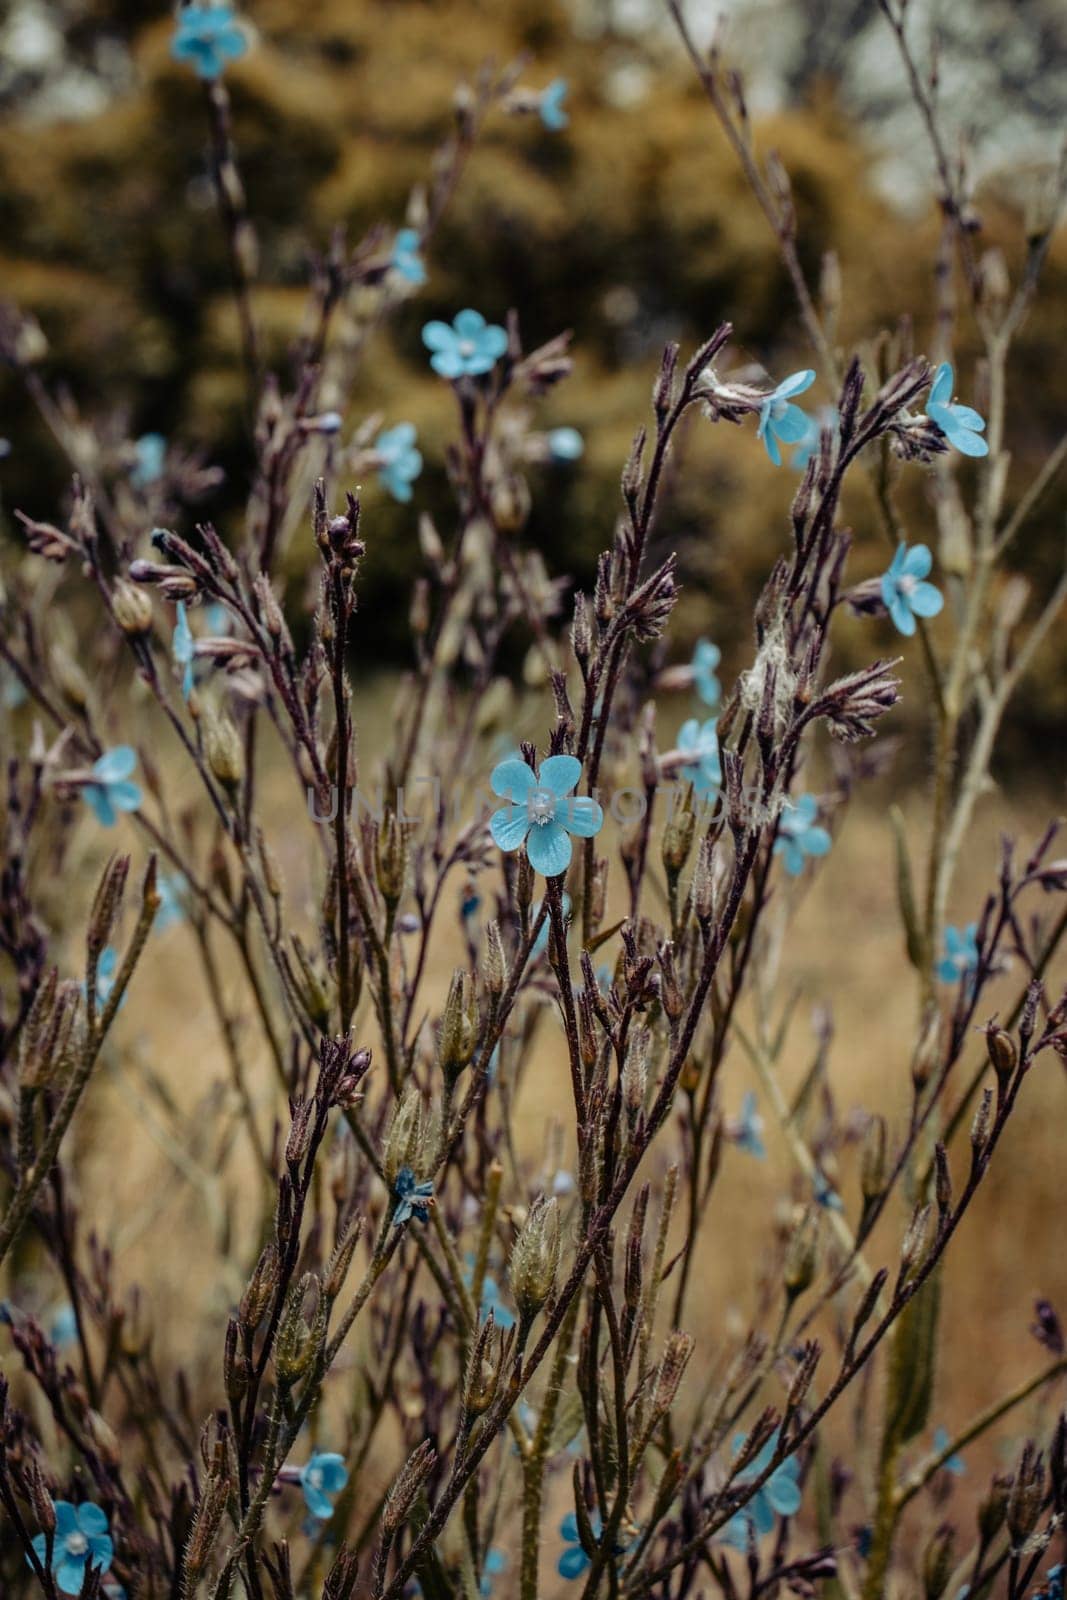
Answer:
(535, 1258)
(261, 1286)
(1026, 1497)
(132, 608)
(872, 1161)
(405, 1135)
(222, 745)
(801, 1255)
(496, 963)
(937, 1562)
(1003, 1056)
(678, 835)
(458, 1032)
(107, 905)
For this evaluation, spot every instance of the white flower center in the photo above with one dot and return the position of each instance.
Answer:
(315, 1477)
(466, 347)
(906, 583)
(541, 806)
(77, 1544)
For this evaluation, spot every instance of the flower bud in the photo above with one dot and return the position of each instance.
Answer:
(458, 1033)
(678, 835)
(872, 1161)
(496, 965)
(535, 1258)
(391, 857)
(222, 744)
(405, 1135)
(132, 607)
(801, 1255)
(937, 1562)
(1003, 1056)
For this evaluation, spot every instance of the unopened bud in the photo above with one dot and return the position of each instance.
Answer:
(459, 1026)
(872, 1161)
(222, 744)
(132, 607)
(1003, 1056)
(678, 835)
(496, 965)
(535, 1258)
(391, 858)
(801, 1255)
(937, 1562)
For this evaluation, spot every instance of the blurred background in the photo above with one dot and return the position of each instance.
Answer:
(630, 227)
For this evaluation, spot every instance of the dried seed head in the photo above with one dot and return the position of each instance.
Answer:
(535, 1258)
(222, 745)
(676, 1354)
(132, 608)
(405, 1489)
(1003, 1056)
(391, 858)
(496, 962)
(873, 1163)
(802, 1255)
(937, 1562)
(1026, 1497)
(635, 1075)
(261, 1287)
(458, 1033)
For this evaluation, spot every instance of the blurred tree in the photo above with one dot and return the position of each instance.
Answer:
(631, 226)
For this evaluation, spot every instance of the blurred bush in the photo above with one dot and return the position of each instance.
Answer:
(631, 227)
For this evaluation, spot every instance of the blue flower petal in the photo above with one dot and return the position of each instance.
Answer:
(549, 848)
(510, 825)
(560, 774)
(925, 600)
(580, 815)
(513, 779)
(115, 764)
(573, 1562)
(917, 561)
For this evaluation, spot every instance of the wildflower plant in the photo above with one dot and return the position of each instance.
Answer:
(361, 1169)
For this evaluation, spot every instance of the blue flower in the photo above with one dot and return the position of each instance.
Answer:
(81, 1540)
(824, 1194)
(323, 1475)
(798, 836)
(706, 658)
(112, 791)
(540, 944)
(700, 742)
(904, 593)
(1055, 1576)
(553, 115)
(63, 1328)
(469, 348)
(748, 1132)
(415, 1199)
(208, 37)
(962, 427)
(780, 422)
(955, 1463)
(574, 1561)
(960, 959)
(171, 890)
(541, 811)
(406, 258)
(565, 444)
(399, 461)
(809, 444)
(779, 1496)
(495, 1562)
(182, 648)
(149, 452)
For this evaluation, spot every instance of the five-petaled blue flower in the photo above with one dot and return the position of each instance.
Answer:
(495, 1562)
(468, 348)
(183, 647)
(399, 461)
(798, 836)
(778, 1497)
(955, 1463)
(414, 1199)
(781, 422)
(542, 813)
(323, 1475)
(111, 790)
(81, 1541)
(962, 427)
(208, 37)
(553, 115)
(706, 658)
(565, 444)
(700, 742)
(748, 1130)
(960, 959)
(406, 259)
(904, 593)
(149, 453)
